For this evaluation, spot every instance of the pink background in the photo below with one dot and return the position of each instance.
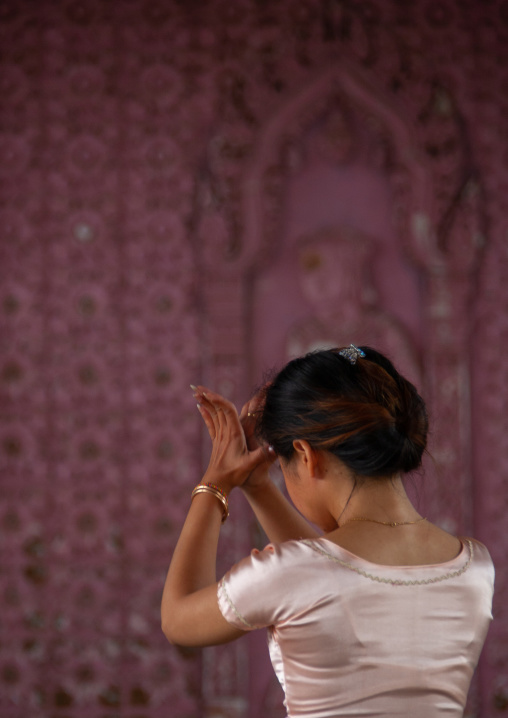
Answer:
(194, 192)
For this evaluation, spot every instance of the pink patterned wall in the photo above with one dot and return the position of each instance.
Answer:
(194, 192)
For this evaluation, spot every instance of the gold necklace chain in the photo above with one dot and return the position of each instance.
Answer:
(392, 524)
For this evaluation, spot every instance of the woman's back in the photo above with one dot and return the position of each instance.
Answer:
(351, 637)
(412, 545)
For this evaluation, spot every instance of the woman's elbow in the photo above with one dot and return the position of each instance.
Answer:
(170, 629)
(167, 630)
(178, 634)
(195, 621)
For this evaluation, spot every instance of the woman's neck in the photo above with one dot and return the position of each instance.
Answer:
(380, 500)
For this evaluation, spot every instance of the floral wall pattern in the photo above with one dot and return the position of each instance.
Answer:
(149, 155)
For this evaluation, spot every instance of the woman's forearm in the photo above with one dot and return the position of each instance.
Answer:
(278, 518)
(190, 612)
(195, 555)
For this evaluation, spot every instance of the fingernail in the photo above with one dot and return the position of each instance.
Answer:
(199, 407)
(194, 388)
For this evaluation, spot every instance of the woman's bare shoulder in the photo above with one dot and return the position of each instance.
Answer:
(399, 546)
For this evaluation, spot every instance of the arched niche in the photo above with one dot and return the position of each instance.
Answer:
(409, 294)
(264, 179)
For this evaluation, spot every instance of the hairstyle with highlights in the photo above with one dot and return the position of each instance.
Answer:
(366, 413)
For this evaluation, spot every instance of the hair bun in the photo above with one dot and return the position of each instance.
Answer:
(365, 413)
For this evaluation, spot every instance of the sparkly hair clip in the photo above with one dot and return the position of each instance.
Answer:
(352, 353)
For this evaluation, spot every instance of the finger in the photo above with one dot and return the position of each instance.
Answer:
(202, 394)
(223, 414)
(205, 401)
(226, 414)
(209, 423)
(258, 401)
(245, 410)
(217, 400)
(208, 411)
(247, 419)
(213, 410)
(251, 408)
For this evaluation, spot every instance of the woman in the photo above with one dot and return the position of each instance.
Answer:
(383, 614)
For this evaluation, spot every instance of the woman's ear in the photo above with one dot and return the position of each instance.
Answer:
(306, 455)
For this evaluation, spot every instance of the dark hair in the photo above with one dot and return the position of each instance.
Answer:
(366, 413)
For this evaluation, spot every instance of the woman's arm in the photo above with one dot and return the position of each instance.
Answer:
(190, 613)
(278, 517)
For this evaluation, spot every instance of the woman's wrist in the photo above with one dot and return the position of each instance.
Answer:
(251, 487)
(219, 481)
(216, 492)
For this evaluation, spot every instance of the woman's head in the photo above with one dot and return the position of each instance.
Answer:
(365, 413)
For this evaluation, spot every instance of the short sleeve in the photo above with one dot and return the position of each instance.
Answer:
(253, 594)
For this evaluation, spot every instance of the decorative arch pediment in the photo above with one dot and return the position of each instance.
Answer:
(275, 154)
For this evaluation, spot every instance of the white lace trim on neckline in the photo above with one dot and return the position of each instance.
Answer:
(395, 581)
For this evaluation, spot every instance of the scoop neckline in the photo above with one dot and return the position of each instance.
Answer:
(355, 556)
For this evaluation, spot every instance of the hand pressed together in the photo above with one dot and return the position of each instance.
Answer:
(190, 612)
(259, 476)
(236, 455)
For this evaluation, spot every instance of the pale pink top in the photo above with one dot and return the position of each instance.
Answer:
(348, 637)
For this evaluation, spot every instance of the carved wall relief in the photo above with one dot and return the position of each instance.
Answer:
(334, 280)
(161, 164)
(302, 248)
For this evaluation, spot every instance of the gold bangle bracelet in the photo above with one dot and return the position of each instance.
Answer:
(215, 491)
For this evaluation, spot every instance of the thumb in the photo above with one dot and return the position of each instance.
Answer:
(258, 456)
